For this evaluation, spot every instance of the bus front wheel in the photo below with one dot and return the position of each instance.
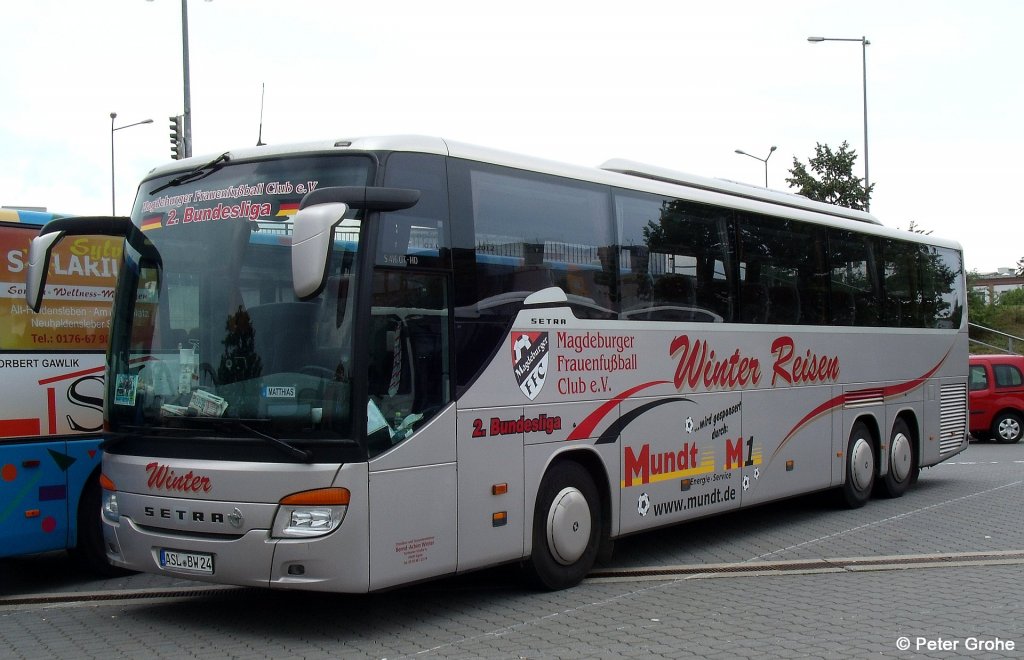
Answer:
(566, 527)
(860, 467)
(90, 548)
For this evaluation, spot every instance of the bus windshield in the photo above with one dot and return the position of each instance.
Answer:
(209, 340)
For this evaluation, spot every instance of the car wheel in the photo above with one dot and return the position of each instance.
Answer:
(1007, 427)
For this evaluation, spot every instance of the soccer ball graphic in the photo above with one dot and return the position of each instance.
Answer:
(746, 483)
(643, 504)
(689, 424)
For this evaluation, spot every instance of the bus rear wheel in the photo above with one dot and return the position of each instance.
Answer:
(566, 527)
(860, 467)
(902, 461)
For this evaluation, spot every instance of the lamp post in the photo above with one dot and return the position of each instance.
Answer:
(864, 43)
(187, 115)
(113, 116)
(763, 160)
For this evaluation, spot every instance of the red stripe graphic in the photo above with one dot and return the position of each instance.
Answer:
(74, 374)
(585, 429)
(853, 396)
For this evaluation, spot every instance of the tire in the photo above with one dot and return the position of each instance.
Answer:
(90, 550)
(1007, 427)
(860, 467)
(566, 527)
(902, 462)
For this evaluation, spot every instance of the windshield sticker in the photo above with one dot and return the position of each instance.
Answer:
(125, 389)
(278, 392)
(242, 201)
(288, 209)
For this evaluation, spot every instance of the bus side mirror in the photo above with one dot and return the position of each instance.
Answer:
(312, 235)
(38, 265)
(51, 233)
(319, 213)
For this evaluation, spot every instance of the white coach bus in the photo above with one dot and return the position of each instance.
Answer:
(356, 364)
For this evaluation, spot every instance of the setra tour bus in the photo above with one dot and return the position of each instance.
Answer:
(356, 364)
(51, 411)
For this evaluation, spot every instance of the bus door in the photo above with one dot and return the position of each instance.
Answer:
(410, 429)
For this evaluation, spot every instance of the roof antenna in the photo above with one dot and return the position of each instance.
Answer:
(259, 138)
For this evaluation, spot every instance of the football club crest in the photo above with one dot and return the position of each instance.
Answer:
(530, 361)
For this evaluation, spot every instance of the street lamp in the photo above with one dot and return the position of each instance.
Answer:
(113, 116)
(864, 61)
(763, 160)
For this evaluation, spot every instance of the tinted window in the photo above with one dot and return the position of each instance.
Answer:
(854, 275)
(923, 286)
(783, 277)
(417, 236)
(520, 232)
(675, 262)
(942, 287)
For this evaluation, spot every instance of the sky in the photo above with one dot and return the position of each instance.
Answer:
(680, 84)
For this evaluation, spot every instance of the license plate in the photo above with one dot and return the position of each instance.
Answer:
(188, 561)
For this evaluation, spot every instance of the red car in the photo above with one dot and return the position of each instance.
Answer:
(997, 397)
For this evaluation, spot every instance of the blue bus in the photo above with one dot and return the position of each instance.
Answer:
(51, 408)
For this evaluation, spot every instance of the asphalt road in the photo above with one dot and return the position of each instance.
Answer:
(936, 573)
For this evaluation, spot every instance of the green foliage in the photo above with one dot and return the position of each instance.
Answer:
(832, 180)
(1006, 314)
(1014, 297)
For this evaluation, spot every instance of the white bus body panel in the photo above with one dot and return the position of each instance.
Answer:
(234, 529)
(413, 499)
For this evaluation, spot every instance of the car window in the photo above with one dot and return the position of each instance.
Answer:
(1007, 375)
(979, 377)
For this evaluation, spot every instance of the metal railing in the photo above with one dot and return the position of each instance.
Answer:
(1010, 339)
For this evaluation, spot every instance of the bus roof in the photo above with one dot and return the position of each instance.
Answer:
(617, 172)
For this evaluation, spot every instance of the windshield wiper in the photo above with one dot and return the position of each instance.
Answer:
(196, 174)
(303, 455)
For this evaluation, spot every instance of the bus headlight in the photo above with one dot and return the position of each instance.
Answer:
(109, 499)
(110, 511)
(311, 513)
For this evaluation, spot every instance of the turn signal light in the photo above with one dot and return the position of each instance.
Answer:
(106, 483)
(318, 497)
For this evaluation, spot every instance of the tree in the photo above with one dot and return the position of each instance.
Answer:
(1020, 267)
(980, 310)
(834, 182)
(1012, 297)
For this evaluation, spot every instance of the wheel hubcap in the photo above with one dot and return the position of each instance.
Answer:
(861, 463)
(1009, 429)
(568, 526)
(900, 460)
